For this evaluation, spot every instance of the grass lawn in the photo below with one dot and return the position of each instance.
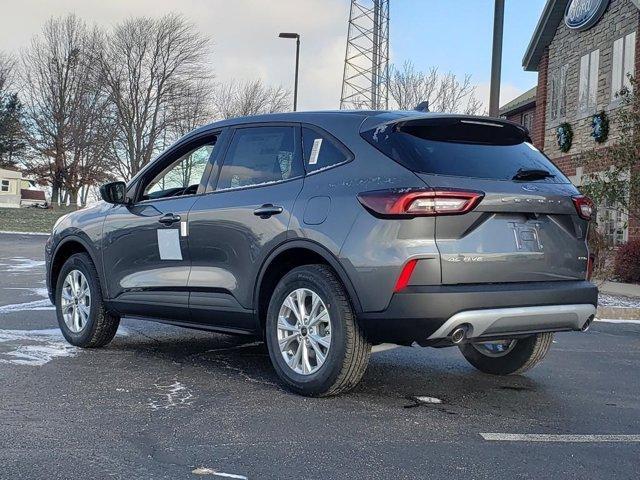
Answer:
(30, 219)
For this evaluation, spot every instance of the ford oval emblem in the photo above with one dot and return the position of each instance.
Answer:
(530, 188)
(584, 14)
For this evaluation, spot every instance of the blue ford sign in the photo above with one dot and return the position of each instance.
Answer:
(584, 14)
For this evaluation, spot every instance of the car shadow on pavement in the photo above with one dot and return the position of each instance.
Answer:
(400, 375)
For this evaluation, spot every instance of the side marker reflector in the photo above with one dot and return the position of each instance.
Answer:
(405, 275)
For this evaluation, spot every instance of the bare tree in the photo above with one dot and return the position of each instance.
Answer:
(65, 108)
(445, 93)
(7, 73)
(194, 109)
(408, 87)
(237, 99)
(147, 65)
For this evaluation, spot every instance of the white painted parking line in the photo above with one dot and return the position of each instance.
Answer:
(612, 320)
(538, 437)
(383, 347)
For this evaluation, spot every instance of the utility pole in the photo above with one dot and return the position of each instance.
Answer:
(496, 59)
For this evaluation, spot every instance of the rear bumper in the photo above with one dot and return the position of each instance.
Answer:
(427, 314)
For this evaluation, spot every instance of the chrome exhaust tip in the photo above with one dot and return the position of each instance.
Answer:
(588, 323)
(458, 335)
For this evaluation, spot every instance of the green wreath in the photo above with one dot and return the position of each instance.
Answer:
(564, 135)
(600, 127)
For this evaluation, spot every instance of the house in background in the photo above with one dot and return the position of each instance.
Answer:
(10, 185)
(16, 191)
(522, 110)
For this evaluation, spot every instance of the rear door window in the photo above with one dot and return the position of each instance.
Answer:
(463, 148)
(260, 155)
(320, 152)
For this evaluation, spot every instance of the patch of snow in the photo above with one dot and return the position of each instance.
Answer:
(33, 347)
(174, 395)
(44, 304)
(21, 264)
(37, 305)
(619, 301)
(210, 471)
(429, 400)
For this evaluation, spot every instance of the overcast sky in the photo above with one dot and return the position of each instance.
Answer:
(450, 34)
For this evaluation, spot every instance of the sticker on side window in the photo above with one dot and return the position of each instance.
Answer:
(169, 244)
(315, 151)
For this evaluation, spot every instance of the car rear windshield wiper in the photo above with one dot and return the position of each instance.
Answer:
(531, 174)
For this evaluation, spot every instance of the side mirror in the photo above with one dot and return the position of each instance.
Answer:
(114, 192)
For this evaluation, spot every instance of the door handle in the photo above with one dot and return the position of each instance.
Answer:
(267, 210)
(169, 219)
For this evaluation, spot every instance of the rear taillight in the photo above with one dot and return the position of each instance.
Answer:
(420, 202)
(584, 206)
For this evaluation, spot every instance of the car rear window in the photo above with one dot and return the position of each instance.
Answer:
(463, 148)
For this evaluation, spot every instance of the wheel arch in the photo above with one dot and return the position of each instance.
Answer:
(68, 246)
(289, 255)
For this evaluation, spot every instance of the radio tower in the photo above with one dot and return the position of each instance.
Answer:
(366, 61)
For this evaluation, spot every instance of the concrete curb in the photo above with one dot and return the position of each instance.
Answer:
(12, 232)
(620, 313)
(615, 288)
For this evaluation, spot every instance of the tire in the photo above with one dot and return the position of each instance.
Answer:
(100, 326)
(347, 356)
(525, 354)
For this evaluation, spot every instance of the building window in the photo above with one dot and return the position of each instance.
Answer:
(559, 93)
(4, 186)
(527, 121)
(587, 96)
(624, 57)
(612, 222)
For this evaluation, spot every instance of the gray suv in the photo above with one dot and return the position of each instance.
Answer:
(328, 232)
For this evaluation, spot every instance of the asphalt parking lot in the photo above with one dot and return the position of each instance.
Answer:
(164, 402)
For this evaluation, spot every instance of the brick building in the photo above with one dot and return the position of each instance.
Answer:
(522, 109)
(583, 51)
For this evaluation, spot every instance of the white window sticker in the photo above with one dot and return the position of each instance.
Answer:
(169, 244)
(315, 151)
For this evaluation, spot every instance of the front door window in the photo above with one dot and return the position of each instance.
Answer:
(182, 177)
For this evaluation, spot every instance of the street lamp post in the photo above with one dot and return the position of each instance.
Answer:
(496, 59)
(295, 85)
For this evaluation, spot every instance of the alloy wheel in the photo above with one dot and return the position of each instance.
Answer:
(75, 301)
(304, 331)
